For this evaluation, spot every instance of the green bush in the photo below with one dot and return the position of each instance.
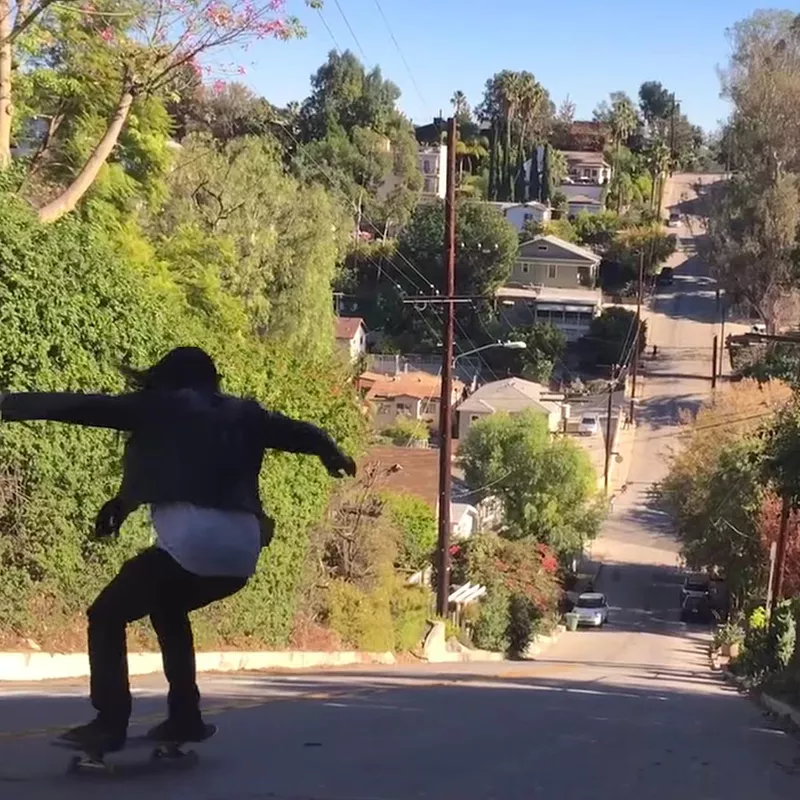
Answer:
(410, 609)
(491, 627)
(406, 431)
(71, 310)
(523, 619)
(415, 520)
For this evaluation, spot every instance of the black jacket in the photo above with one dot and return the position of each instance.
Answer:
(184, 446)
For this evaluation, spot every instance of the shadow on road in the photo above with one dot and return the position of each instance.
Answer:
(445, 733)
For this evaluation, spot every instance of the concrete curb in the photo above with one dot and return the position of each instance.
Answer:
(52, 666)
(542, 643)
(434, 649)
(780, 708)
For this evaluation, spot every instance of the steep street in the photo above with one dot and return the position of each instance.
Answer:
(630, 711)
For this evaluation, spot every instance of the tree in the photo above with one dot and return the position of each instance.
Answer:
(417, 525)
(520, 112)
(547, 485)
(751, 244)
(364, 147)
(656, 104)
(713, 490)
(612, 335)
(233, 216)
(142, 51)
(486, 245)
(547, 180)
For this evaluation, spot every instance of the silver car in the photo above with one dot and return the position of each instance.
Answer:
(592, 609)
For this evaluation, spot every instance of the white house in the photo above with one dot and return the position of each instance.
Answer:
(351, 336)
(512, 396)
(432, 160)
(520, 213)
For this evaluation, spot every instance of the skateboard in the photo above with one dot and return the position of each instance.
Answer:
(167, 754)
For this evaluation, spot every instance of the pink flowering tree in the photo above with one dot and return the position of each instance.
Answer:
(152, 42)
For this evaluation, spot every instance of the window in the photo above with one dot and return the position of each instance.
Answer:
(403, 408)
(594, 173)
(474, 417)
(551, 270)
(426, 167)
(525, 269)
(430, 185)
(384, 408)
(541, 247)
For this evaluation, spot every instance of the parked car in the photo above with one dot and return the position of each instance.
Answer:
(696, 585)
(592, 609)
(589, 425)
(697, 608)
(666, 276)
(674, 220)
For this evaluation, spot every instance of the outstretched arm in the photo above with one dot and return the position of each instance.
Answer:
(280, 432)
(119, 412)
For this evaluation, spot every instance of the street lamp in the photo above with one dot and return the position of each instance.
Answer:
(511, 345)
(445, 455)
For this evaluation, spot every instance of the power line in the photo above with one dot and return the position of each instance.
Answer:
(350, 28)
(402, 57)
(330, 32)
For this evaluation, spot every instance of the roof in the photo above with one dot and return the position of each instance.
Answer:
(511, 395)
(561, 244)
(530, 204)
(418, 474)
(585, 157)
(585, 199)
(551, 294)
(347, 327)
(420, 385)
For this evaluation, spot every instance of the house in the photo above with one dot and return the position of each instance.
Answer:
(432, 164)
(520, 213)
(512, 395)
(432, 161)
(589, 167)
(583, 203)
(416, 472)
(553, 281)
(406, 394)
(351, 336)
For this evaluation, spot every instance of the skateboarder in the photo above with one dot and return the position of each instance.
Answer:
(193, 455)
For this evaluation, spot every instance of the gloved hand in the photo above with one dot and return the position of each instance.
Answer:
(109, 519)
(338, 465)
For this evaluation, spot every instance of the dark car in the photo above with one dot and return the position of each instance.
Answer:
(696, 584)
(697, 608)
(665, 277)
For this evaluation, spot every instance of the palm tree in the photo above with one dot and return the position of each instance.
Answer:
(461, 108)
(508, 94)
(658, 161)
(623, 120)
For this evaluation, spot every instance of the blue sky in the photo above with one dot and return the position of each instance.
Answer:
(581, 48)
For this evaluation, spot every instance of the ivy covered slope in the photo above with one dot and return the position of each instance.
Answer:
(76, 300)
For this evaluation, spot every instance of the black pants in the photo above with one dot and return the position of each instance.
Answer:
(150, 584)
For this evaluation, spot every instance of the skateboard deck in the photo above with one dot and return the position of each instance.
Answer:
(162, 754)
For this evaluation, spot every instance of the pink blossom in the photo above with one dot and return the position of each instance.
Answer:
(218, 87)
(107, 34)
(241, 70)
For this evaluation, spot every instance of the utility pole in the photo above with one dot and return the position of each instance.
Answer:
(773, 550)
(723, 313)
(714, 365)
(445, 402)
(608, 426)
(780, 558)
(635, 365)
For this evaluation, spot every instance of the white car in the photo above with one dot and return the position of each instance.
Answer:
(589, 425)
(592, 609)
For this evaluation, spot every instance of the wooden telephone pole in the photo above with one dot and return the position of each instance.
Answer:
(636, 338)
(445, 402)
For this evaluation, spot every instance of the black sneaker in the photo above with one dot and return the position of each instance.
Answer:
(96, 736)
(172, 730)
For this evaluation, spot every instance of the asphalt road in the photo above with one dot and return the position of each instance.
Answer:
(629, 711)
